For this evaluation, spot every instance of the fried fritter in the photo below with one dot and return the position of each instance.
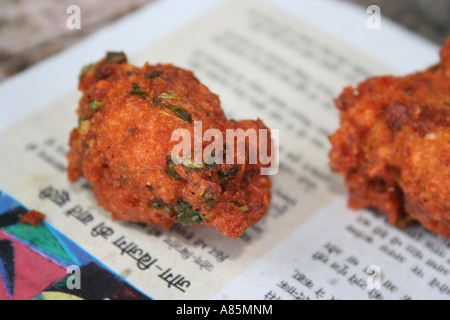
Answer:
(393, 145)
(123, 146)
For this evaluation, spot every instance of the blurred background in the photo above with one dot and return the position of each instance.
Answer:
(31, 30)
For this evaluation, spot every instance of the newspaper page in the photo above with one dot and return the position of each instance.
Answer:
(263, 64)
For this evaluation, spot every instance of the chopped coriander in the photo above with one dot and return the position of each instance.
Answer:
(210, 202)
(166, 96)
(116, 57)
(401, 182)
(228, 174)
(435, 68)
(170, 171)
(80, 119)
(200, 166)
(170, 95)
(447, 103)
(187, 216)
(206, 193)
(149, 188)
(181, 112)
(85, 69)
(137, 91)
(155, 205)
(153, 75)
(95, 104)
(244, 208)
(397, 126)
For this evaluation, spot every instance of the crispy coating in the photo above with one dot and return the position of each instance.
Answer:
(122, 146)
(393, 146)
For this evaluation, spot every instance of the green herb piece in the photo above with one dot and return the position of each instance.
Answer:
(137, 91)
(155, 205)
(116, 57)
(401, 182)
(170, 95)
(228, 174)
(200, 166)
(149, 188)
(167, 96)
(447, 103)
(187, 216)
(435, 68)
(85, 69)
(244, 208)
(210, 202)
(206, 193)
(153, 75)
(397, 126)
(170, 171)
(182, 113)
(81, 119)
(95, 104)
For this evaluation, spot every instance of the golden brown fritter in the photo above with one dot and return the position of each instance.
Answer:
(123, 146)
(393, 146)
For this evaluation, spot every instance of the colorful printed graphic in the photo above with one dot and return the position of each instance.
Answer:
(36, 262)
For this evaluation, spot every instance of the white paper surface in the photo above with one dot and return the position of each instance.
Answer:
(330, 257)
(266, 63)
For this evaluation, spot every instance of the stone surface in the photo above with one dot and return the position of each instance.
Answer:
(32, 30)
(430, 18)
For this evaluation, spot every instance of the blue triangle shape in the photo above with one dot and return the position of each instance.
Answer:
(7, 265)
